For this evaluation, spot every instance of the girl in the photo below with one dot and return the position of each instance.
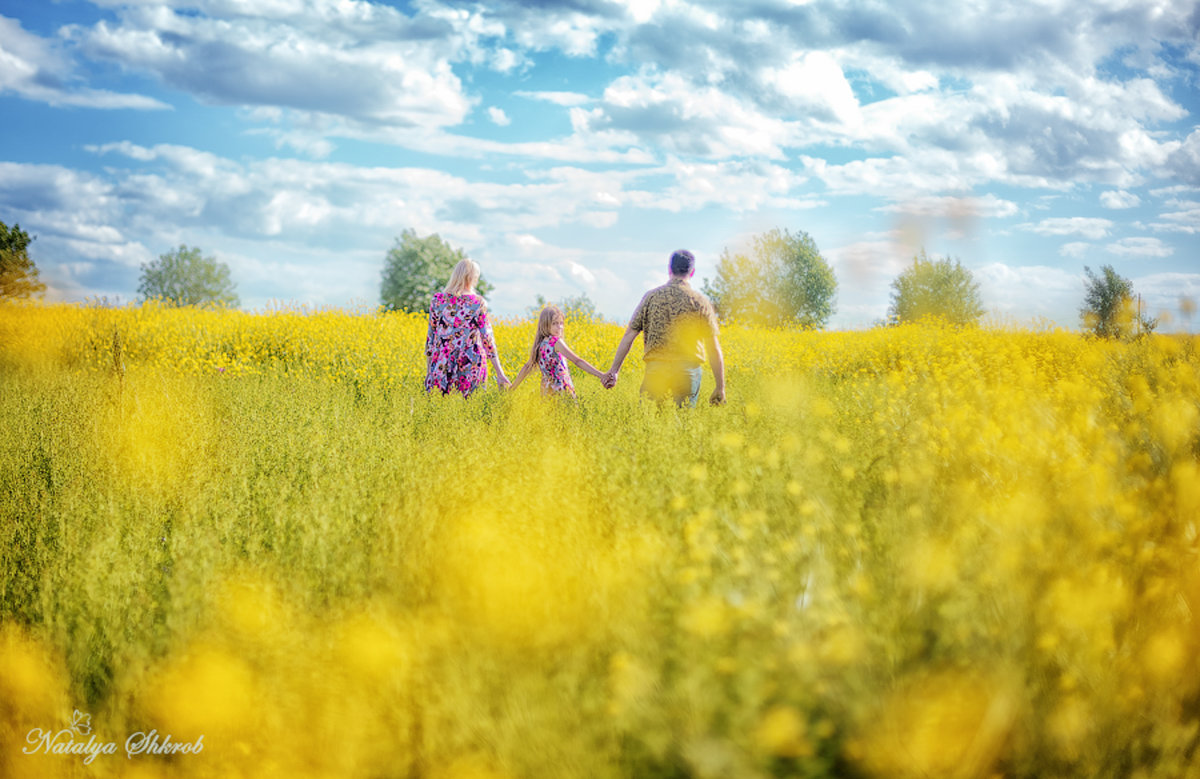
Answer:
(548, 352)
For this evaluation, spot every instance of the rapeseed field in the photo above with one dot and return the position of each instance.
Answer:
(249, 545)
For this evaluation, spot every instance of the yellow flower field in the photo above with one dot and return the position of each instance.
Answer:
(907, 552)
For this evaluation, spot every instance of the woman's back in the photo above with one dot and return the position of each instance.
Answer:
(459, 342)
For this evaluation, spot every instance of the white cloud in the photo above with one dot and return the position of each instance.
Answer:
(1184, 161)
(361, 61)
(295, 208)
(1175, 190)
(1119, 199)
(668, 112)
(1088, 227)
(581, 274)
(869, 262)
(737, 185)
(600, 220)
(67, 207)
(1030, 291)
(36, 69)
(865, 271)
(1169, 285)
(1140, 247)
(498, 117)
(814, 82)
(573, 32)
(1163, 296)
(566, 99)
(1185, 219)
(750, 111)
(1038, 117)
(641, 11)
(955, 208)
(526, 242)
(505, 60)
(900, 178)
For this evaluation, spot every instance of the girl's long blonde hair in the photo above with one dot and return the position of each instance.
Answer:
(463, 278)
(546, 320)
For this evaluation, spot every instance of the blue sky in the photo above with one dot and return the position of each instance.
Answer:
(571, 146)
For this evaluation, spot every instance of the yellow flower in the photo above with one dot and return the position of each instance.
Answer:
(783, 732)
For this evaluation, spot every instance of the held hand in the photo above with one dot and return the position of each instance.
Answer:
(610, 380)
(503, 382)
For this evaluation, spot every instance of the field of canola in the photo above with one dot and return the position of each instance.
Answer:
(906, 552)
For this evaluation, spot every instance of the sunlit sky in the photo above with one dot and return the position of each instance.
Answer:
(571, 146)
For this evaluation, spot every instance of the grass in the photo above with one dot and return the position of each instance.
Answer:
(916, 551)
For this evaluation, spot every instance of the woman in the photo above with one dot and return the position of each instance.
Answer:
(459, 336)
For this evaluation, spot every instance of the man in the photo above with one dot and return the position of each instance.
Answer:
(680, 328)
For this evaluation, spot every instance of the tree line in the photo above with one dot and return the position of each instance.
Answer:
(780, 280)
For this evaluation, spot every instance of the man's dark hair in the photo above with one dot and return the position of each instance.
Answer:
(683, 263)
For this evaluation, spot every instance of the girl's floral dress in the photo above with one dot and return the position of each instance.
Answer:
(459, 343)
(555, 375)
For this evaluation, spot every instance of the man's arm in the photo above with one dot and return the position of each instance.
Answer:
(610, 378)
(716, 360)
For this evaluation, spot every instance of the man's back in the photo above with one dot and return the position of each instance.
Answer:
(675, 320)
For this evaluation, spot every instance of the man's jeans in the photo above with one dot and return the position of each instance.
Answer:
(676, 381)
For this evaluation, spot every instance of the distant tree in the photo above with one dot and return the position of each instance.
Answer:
(1108, 308)
(415, 268)
(942, 288)
(18, 274)
(185, 277)
(573, 307)
(783, 281)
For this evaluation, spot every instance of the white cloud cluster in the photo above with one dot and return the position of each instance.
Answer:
(955, 208)
(750, 109)
(1140, 247)
(357, 60)
(1184, 217)
(1088, 227)
(1119, 199)
(37, 69)
(168, 194)
(717, 80)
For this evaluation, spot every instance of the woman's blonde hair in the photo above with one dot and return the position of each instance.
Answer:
(550, 314)
(463, 278)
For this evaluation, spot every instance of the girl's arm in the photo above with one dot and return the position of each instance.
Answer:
(525, 369)
(561, 347)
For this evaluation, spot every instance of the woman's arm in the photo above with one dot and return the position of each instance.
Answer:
(489, 346)
(429, 336)
(561, 347)
(501, 380)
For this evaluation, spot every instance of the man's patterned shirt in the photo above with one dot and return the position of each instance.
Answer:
(675, 321)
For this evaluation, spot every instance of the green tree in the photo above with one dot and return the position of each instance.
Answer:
(415, 268)
(942, 288)
(18, 274)
(783, 281)
(185, 277)
(1108, 306)
(573, 307)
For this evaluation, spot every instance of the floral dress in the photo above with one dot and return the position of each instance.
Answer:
(555, 375)
(459, 343)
